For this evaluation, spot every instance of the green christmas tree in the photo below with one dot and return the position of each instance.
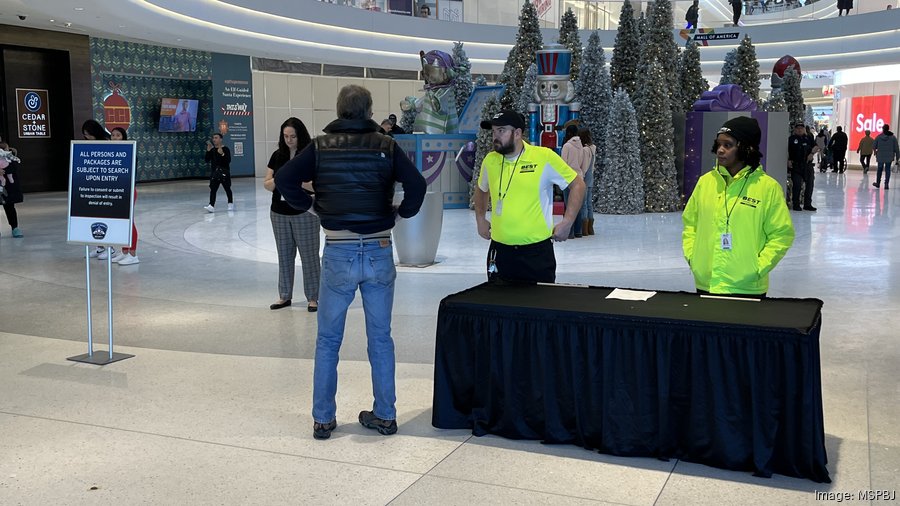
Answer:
(484, 143)
(659, 45)
(746, 69)
(793, 95)
(620, 188)
(521, 56)
(408, 118)
(624, 62)
(528, 90)
(568, 36)
(595, 94)
(481, 80)
(693, 84)
(462, 86)
(775, 102)
(728, 67)
(657, 152)
(808, 117)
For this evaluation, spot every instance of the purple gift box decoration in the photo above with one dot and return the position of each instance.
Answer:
(725, 97)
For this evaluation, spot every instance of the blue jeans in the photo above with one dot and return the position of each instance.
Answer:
(345, 267)
(886, 168)
(587, 208)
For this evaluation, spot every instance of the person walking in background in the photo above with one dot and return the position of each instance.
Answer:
(736, 7)
(822, 145)
(353, 169)
(294, 230)
(219, 157)
(693, 15)
(838, 147)
(886, 152)
(92, 130)
(518, 179)
(590, 154)
(844, 6)
(128, 256)
(731, 248)
(800, 154)
(573, 154)
(12, 191)
(865, 149)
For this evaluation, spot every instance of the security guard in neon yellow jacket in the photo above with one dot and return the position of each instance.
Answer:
(737, 226)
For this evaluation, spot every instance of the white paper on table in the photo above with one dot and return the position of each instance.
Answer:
(622, 294)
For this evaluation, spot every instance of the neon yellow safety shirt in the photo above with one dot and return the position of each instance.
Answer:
(759, 224)
(525, 185)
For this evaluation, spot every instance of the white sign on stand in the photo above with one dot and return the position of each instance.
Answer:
(101, 212)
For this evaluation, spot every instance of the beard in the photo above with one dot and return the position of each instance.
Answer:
(504, 149)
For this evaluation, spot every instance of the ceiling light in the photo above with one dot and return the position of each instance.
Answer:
(53, 21)
(79, 8)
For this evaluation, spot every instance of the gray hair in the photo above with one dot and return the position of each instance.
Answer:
(354, 102)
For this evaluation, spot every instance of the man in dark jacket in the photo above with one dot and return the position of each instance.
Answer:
(838, 147)
(692, 15)
(800, 153)
(353, 169)
(886, 152)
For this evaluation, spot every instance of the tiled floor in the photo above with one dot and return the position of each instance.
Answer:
(214, 407)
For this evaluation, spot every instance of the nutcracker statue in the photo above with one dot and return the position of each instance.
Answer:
(554, 93)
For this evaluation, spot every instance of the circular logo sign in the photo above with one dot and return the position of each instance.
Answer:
(32, 101)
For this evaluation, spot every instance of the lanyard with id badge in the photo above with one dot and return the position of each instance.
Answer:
(726, 239)
(498, 208)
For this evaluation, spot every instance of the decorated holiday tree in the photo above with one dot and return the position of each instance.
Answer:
(659, 46)
(808, 117)
(620, 188)
(568, 36)
(408, 118)
(481, 80)
(595, 94)
(462, 85)
(521, 56)
(693, 84)
(793, 95)
(775, 102)
(624, 62)
(528, 90)
(728, 67)
(657, 151)
(746, 69)
(484, 143)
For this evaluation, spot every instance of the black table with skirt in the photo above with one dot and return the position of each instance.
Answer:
(733, 384)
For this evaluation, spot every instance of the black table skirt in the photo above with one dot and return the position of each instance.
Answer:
(678, 376)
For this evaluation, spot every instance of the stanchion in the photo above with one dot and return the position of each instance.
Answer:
(90, 357)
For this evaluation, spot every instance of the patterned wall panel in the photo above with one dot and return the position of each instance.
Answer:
(143, 75)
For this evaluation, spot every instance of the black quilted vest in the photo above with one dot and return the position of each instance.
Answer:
(354, 178)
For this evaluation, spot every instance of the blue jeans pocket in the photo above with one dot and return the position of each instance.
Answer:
(336, 271)
(383, 270)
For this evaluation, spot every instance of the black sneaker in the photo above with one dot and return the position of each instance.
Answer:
(875, 184)
(323, 430)
(798, 208)
(809, 208)
(370, 421)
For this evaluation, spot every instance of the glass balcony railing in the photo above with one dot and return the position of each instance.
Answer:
(604, 15)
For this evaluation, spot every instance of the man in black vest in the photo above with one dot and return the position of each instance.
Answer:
(353, 169)
(838, 147)
(800, 154)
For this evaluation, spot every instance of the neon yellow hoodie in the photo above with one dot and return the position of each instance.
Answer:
(759, 224)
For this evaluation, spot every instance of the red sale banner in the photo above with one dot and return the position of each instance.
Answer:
(868, 113)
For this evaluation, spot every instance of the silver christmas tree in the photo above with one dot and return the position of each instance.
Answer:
(484, 143)
(746, 69)
(728, 67)
(624, 62)
(659, 45)
(481, 80)
(693, 84)
(657, 151)
(568, 36)
(595, 94)
(521, 56)
(793, 95)
(620, 188)
(528, 90)
(462, 86)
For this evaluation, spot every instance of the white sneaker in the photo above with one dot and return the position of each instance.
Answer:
(209, 208)
(119, 257)
(96, 251)
(231, 207)
(129, 260)
(105, 253)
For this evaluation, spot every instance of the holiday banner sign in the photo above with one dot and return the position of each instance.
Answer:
(233, 109)
(101, 192)
(33, 111)
(868, 113)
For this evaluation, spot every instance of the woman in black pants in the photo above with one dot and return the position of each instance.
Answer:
(736, 6)
(219, 157)
(9, 180)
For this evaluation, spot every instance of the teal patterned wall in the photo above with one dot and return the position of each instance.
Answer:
(144, 75)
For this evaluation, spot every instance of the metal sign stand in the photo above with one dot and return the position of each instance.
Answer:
(90, 357)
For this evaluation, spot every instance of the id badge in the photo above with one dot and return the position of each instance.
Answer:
(499, 209)
(726, 241)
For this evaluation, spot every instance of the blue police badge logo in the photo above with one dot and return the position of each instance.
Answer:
(98, 230)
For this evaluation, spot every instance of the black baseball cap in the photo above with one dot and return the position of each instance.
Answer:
(506, 117)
